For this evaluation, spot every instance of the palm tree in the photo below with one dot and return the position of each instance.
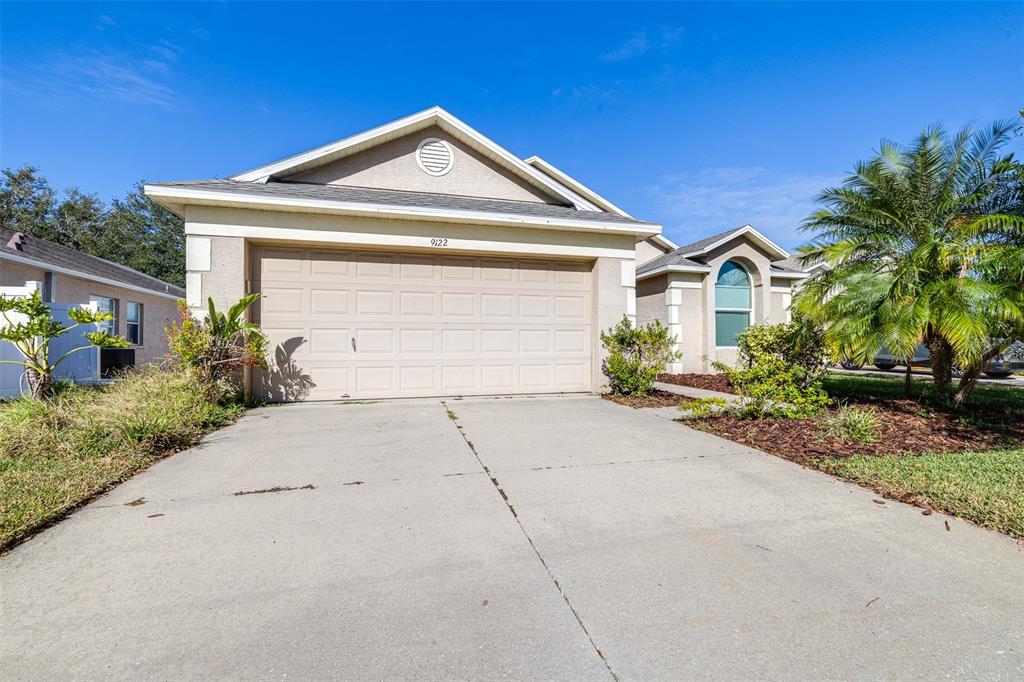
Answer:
(923, 246)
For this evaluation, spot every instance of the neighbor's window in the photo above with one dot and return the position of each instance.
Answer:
(732, 303)
(106, 305)
(133, 323)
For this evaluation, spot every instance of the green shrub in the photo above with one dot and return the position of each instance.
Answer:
(779, 371)
(636, 355)
(704, 407)
(219, 347)
(852, 424)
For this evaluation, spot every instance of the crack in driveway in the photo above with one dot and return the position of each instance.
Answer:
(540, 557)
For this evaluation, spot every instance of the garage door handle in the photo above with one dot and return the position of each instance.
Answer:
(353, 344)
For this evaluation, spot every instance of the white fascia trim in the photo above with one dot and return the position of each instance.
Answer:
(215, 198)
(575, 185)
(745, 230)
(789, 275)
(664, 242)
(83, 275)
(433, 115)
(672, 268)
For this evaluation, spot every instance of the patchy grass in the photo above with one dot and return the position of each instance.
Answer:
(57, 454)
(984, 487)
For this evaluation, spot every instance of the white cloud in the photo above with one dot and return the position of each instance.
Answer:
(102, 75)
(695, 205)
(634, 46)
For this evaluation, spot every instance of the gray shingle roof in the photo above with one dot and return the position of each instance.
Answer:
(670, 258)
(707, 241)
(61, 256)
(400, 198)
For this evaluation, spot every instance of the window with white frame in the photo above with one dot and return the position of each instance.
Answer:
(733, 307)
(106, 305)
(133, 323)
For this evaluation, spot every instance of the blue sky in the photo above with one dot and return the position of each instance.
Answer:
(700, 116)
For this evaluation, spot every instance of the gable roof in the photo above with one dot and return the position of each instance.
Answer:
(38, 252)
(401, 204)
(699, 248)
(575, 186)
(434, 116)
(687, 258)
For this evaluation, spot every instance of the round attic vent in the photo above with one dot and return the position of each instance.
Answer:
(435, 156)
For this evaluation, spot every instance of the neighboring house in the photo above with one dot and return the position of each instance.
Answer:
(142, 305)
(709, 291)
(419, 259)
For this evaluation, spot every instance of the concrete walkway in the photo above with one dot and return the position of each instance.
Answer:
(561, 538)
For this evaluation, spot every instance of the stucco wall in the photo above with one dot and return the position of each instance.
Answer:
(610, 304)
(647, 250)
(650, 300)
(686, 302)
(392, 165)
(157, 311)
(16, 274)
(217, 268)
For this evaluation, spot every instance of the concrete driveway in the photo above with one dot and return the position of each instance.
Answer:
(558, 538)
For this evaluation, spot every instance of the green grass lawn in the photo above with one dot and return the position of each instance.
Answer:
(984, 487)
(58, 453)
(996, 403)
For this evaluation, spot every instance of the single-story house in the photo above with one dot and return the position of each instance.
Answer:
(142, 305)
(420, 258)
(709, 291)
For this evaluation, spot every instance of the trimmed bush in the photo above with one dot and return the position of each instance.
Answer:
(636, 355)
(779, 371)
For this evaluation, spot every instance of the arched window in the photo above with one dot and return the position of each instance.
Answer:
(732, 303)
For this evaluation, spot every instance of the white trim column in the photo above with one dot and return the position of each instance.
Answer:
(629, 284)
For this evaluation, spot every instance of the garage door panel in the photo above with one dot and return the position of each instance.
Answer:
(329, 301)
(534, 306)
(329, 342)
(375, 340)
(280, 301)
(497, 341)
(330, 264)
(418, 267)
(417, 341)
(375, 302)
(423, 324)
(534, 341)
(375, 266)
(419, 380)
(287, 341)
(375, 380)
(570, 307)
(277, 261)
(459, 378)
(458, 304)
(497, 306)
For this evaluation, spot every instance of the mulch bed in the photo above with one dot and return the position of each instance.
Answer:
(653, 399)
(708, 382)
(905, 427)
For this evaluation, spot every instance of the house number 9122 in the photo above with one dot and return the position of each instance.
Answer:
(439, 241)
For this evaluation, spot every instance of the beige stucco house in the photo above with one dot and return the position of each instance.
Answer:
(709, 291)
(420, 258)
(141, 305)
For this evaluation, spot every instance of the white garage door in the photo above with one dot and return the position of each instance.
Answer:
(374, 325)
